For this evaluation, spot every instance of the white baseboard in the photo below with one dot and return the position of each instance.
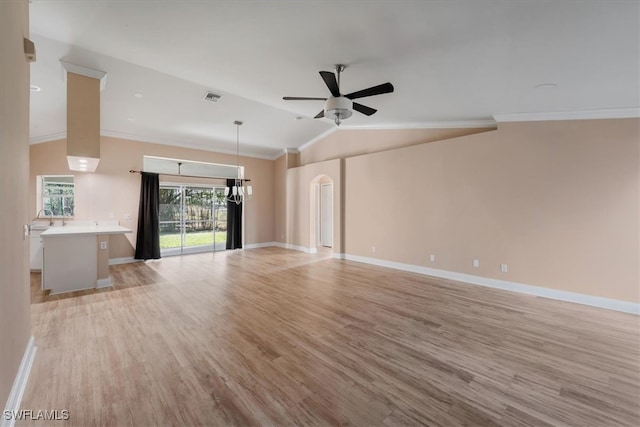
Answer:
(608, 303)
(125, 260)
(20, 382)
(338, 256)
(103, 283)
(259, 245)
(296, 247)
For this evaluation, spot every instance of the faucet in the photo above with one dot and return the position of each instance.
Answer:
(65, 211)
(45, 212)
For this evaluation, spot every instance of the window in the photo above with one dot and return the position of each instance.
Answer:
(56, 195)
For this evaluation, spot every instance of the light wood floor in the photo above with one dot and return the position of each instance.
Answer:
(276, 337)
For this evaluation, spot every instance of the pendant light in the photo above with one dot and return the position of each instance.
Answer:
(238, 193)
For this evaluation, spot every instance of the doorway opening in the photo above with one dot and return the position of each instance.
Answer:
(322, 209)
(193, 218)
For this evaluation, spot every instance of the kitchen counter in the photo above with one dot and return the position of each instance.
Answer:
(76, 256)
(70, 230)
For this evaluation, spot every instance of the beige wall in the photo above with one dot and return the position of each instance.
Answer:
(297, 208)
(350, 142)
(280, 198)
(300, 209)
(112, 189)
(556, 201)
(14, 169)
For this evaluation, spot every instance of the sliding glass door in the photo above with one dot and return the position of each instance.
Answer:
(170, 220)
(192, 219)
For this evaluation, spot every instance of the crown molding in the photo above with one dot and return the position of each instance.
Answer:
(47, 138)
(458, 124)
(317, 138)
(84, 71)
(610, 113)
(131, 137)
(153, 140)
(288, 150)
(279, 154)
(451, 124)
(605, 113)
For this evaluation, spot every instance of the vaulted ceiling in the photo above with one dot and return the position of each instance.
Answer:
(453, 63)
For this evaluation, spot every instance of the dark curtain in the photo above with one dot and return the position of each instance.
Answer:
(148, 239)
(234, 222)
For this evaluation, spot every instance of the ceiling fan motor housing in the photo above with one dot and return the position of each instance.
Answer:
(338, 106)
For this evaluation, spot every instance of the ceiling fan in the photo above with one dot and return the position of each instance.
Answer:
(339, 107)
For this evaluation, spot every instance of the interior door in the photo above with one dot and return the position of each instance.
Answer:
(326, 215)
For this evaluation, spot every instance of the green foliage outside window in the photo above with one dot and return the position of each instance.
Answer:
(204, 209)
(58, 195)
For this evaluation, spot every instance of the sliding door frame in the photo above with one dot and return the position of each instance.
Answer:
(183, 249)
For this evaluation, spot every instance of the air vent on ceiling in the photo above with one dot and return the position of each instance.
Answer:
(213, 97)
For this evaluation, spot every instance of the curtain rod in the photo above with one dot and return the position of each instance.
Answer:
(194, 176)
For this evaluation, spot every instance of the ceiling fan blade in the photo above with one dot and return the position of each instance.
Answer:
(319, 115)
(374, 90)
(364, 109)
(302, 98)
(331, 82)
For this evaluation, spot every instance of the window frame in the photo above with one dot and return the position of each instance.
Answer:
(40, 195)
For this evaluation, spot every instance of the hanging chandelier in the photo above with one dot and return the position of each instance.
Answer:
(239, 192)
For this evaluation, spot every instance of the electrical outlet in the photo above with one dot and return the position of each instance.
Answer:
(103, 245)
(433, 258)
(503, 268)
(476, 263)
(127, 216)
(373, 249)
(110, 215)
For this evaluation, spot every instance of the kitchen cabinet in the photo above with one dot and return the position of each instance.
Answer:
(35, 252)
(76, 257)
(35, 246)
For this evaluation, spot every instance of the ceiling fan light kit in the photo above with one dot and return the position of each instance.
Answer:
(339, 107)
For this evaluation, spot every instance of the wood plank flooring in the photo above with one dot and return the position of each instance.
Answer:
(276, 337)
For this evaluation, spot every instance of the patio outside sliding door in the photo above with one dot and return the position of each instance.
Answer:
(192, 219)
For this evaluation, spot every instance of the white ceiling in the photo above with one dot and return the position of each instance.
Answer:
(450, 61)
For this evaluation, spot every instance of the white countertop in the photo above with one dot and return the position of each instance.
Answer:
(70, 230)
